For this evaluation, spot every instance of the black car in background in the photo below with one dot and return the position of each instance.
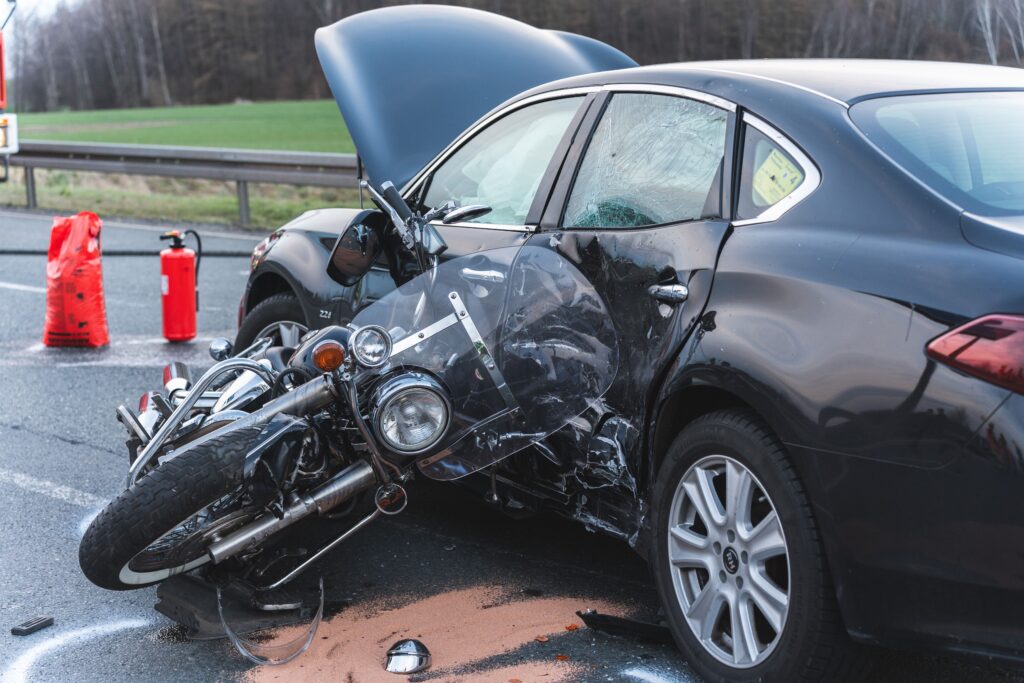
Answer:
(814, 268)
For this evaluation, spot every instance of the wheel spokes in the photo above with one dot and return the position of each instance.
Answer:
(701, 490)
(769, 599)
(689, 549)
(739, 488)
(745, 647)
(766, 540)
(705, 610)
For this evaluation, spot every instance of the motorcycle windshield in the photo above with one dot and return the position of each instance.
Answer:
(519, 338)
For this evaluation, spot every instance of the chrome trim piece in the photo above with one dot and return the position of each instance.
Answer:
(674, 91)
(412, 339)
(407, 657)
(413, 184)
(221, 349)
(491, 277)
(179, 414)
(395, 387)
(812, 176)
(244, 389)
(669, 294)
(486, 121)
(493, 226)
(481, 348)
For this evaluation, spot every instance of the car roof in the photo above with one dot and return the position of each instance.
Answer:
(844, 81)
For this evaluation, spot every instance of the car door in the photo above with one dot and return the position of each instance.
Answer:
(638, 207)
(507, 162)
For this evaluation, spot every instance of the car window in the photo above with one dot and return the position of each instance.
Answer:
(966, 146)
(768, 174)
(502, 166)
(653, 159)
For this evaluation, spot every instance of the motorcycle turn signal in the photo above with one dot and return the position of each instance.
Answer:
(328, 355)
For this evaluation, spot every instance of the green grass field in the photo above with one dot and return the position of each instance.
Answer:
(307, 126)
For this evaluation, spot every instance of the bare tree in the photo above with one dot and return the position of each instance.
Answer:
(986, 25)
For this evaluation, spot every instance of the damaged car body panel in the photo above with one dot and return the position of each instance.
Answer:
(809, 310)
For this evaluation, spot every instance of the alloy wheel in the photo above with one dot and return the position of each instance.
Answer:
(730, 561)
(284, 333)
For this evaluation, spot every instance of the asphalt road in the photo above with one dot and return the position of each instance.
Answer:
(62, 456)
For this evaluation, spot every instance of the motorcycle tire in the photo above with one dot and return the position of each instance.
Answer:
(279, 308)
(161, 501)
(812, 643)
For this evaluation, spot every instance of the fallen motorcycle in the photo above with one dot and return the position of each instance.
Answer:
(467, 362)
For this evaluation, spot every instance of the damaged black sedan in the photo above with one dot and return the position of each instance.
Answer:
(812, 270)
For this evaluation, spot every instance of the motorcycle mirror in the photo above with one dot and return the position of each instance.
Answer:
(465, 213)
(220, 349)
(356, 250)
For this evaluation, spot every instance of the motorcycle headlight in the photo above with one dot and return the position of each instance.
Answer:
(371, 346)
(412, 413)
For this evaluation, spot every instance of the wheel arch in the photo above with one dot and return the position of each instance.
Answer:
(680, 408)
(264, 286)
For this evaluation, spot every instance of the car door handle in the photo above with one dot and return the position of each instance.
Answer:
(491, 277)
(669, 294)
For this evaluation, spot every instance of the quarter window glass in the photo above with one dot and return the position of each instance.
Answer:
(503, 165)
(653, 159)
(769, 174)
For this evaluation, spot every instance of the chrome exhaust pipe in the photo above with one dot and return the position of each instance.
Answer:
(350, 481)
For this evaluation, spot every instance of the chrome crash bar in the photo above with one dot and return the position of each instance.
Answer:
(185, 407)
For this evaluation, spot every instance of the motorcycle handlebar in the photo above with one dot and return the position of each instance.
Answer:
(390, 193)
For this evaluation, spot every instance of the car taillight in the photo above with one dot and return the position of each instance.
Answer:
(989, 348)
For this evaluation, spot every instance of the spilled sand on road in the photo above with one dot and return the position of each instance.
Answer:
(461, 628)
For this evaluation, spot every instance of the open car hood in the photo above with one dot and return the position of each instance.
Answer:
(409, 79)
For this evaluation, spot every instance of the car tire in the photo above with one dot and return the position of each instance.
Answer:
(273, 312)
(705, 466)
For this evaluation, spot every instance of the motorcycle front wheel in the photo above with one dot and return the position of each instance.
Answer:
(162, 525)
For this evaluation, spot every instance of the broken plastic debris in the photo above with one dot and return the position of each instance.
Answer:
(29, 627)
(621, 626)
(407, 656)
(271, 654)
(571, 627)
(541, 639)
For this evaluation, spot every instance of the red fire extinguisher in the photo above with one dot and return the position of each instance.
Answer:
(179, 273)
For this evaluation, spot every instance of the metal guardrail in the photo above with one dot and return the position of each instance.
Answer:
(237, 165)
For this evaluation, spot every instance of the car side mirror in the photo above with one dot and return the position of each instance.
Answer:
(356, 250)
(465, 213)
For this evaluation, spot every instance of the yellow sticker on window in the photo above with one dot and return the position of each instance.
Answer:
(775, 179)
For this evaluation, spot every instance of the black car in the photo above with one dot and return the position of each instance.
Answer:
(814, 269)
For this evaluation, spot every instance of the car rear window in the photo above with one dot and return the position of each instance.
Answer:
(965, 146)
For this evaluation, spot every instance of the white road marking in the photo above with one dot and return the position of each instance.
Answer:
(256, 236)
(51, 489)
(123, 351)
(648, 676)
(22, 288)
(18, 671)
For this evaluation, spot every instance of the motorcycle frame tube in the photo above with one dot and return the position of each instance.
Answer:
(350, 481)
